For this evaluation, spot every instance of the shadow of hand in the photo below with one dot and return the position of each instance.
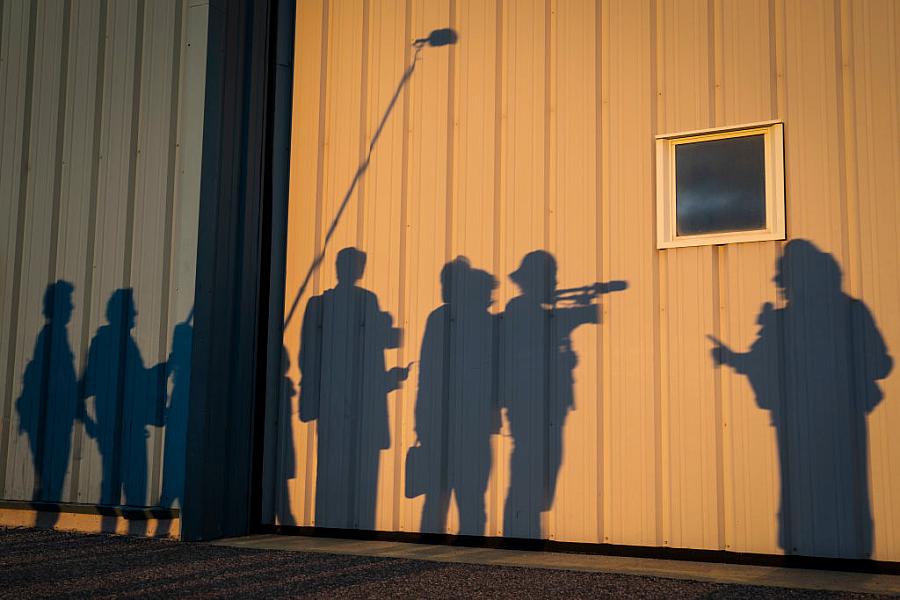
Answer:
(720, 353)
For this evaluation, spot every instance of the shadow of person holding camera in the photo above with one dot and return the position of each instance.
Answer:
(537, 383)
(344, 386)
(814, 367)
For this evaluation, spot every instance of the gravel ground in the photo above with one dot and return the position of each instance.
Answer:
(42, 563)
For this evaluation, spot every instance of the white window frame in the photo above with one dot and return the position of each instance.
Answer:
(773, 142)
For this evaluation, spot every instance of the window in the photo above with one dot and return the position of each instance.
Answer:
(720, 186)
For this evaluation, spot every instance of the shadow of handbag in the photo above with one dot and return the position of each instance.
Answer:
(415, 467)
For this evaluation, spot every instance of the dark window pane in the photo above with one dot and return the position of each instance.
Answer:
(720, 185)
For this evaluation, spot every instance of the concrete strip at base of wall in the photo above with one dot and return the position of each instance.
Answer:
(645, 567)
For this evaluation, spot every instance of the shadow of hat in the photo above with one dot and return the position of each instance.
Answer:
(537, 265)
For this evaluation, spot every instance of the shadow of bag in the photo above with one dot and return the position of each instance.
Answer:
(415, 471)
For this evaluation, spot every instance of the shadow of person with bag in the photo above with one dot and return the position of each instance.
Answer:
(814, 367)
(456, 409)
(343, 387)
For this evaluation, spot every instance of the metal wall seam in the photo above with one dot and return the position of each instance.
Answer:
(17, 251)
(38, 181)
(10, 218)
(402, 299)
(873, 58)
(78, 212)
(80, 492)
(59, 355)
(191, 122)
(498, 216)
(112, 195)
(601, 194)
(166, 341)
(125, 421)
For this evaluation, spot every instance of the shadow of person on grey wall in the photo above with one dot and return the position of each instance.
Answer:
(814, 367)
(536, 386)
(343, 387)
(127, 399)
(456, 408)
(178, 366)
(48, 404)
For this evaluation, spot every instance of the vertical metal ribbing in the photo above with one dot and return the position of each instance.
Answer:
(2, 12)
(363, 124)
(718, 256)
(657, 288)
(550, 327)
(60, 138)
(17, 262)
(40, 460)
(401, 286)
(599, 74)
(78, 438)
(359, 362)
(164, 318)
(497, 229)
(451, 137)
(320, 178)
(118, 435)
(450, 325)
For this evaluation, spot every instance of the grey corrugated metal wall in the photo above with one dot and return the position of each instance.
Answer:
(101, 131)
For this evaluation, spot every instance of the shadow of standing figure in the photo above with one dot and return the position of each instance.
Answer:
(287, 467)
(178, 366)
(127, 399)
(814, 367)
(537, 361)
(48, 405)
(344, 387)
(456, 408)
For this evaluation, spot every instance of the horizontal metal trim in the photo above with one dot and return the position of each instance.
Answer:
(134, 513)
(722, 129)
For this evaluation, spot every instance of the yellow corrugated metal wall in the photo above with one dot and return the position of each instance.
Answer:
(535, 132)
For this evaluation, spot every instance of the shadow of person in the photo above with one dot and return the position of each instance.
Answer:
(48, 404)
(537, 387)
(178, 366)
(344, 387)
(287, 466)
(456, 409)
(814, 367)
(127, 399)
